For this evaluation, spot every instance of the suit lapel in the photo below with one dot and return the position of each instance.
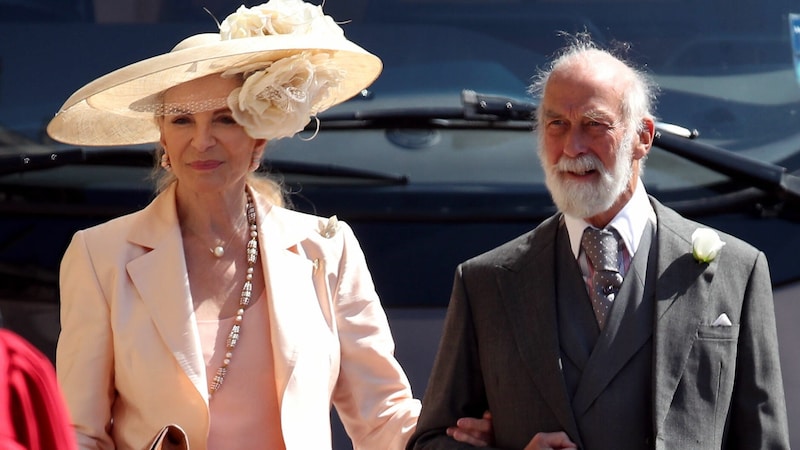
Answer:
(160, 277)
(681, 290)
(528, 295)
(577, 325)
(628, 328)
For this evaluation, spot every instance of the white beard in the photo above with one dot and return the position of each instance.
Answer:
(588, 199)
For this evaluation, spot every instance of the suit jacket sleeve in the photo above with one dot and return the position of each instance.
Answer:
(372, 395)
(456, 387)
(84, 354)
(758, 408)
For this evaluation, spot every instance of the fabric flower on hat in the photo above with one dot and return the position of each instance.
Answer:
(279, 97)
(276, 102)
(277, 17)
(706, 244)
(245, 22)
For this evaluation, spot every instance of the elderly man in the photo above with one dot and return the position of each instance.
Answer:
(607, 327)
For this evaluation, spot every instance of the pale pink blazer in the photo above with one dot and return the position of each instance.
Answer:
(129, 349)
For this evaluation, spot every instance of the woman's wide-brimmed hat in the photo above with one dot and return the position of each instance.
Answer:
(295, 62)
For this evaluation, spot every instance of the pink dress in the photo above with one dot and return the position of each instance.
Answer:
(244, 411)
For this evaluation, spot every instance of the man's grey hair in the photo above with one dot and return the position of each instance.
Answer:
(639, 97)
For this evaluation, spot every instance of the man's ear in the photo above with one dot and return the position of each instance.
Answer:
(648, 132)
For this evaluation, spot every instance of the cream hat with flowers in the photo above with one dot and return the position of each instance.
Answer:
(295, 61)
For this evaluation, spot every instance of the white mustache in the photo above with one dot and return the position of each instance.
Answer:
(580, 165)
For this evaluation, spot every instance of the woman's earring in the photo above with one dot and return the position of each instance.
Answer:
(165, 162)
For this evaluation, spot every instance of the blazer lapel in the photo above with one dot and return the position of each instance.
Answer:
(681, 290)
(292, 297)
(160, 276)
(528, 294)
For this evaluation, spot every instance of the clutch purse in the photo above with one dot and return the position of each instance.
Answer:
(171, 437)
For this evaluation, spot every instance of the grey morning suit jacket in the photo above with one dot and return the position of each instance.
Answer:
(712, 387)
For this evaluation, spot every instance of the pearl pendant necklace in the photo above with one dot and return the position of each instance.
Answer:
(244, 299)
(219, 250)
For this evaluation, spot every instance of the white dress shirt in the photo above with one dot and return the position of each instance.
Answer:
(630, 223)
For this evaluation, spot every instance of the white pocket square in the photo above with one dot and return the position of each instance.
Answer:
(722, 321)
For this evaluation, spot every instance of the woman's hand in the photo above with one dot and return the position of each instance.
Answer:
(477, 432)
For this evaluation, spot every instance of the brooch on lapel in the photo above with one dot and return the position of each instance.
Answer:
(329, 229)
(706, 245)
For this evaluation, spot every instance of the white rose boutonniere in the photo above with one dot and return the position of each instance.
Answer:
(706, 244)
(329, 229)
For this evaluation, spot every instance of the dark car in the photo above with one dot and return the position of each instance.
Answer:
(435, 162)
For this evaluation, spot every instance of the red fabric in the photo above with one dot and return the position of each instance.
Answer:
(33, 414)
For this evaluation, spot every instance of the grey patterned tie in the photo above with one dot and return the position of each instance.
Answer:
(602, 249)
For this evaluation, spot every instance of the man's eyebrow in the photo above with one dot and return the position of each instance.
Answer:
(604, 117)
(598, 114)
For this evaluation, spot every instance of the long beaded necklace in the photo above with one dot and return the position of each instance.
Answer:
(244, 300)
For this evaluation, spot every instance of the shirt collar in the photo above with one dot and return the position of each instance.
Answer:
(630, 222)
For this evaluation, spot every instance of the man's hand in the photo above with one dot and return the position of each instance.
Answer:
(470, 430)
(550, 441)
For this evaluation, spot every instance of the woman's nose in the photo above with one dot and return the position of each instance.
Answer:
(203, 136)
